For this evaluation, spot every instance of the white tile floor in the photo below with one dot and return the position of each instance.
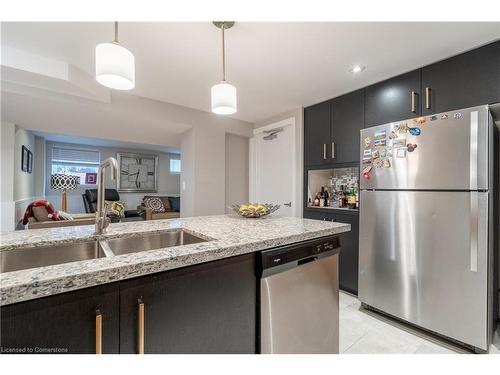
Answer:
(366, 332)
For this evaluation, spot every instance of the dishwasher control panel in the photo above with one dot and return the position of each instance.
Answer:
(299, 251)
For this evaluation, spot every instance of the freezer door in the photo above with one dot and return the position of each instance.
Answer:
(423, 258)
(451, 152)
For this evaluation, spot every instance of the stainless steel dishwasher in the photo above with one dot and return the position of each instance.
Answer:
(299, 298)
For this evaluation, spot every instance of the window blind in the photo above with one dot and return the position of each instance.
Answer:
(75, 156)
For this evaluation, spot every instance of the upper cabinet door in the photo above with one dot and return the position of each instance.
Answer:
(348, 118)
(317, 134)
(462, 81)
(395, 99)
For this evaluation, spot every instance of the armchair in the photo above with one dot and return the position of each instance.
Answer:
(90, 203)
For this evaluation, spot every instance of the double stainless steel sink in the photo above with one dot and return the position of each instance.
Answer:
(34, 257)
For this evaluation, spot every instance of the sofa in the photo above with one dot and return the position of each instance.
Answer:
(170, 204)
(37, 222)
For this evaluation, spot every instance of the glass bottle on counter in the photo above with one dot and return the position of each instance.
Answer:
(342, 198)
(351, 198)
(357, 194)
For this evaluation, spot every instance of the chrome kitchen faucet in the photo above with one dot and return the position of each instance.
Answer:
(101, 220)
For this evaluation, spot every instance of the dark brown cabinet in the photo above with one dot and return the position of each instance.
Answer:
(331, 130)
(206, 308)
(317, 134)
(347, 120)
(466, 80)
(394, 99)
(73, 322)
(349, 253)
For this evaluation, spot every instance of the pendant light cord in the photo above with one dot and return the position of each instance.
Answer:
(223, 54)
(116, 32)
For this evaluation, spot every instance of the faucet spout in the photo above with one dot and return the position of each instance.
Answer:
(101, 220)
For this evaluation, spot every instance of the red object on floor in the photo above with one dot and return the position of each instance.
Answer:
(53, 214)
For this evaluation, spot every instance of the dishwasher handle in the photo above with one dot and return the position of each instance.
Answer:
(306, 260)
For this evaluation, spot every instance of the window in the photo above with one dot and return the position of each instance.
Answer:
(76, 162)
(175, 166)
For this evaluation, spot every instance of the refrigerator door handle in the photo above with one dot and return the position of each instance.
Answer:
(474, 119)
(474, 229)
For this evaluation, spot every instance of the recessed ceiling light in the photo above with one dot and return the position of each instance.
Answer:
(357, 68)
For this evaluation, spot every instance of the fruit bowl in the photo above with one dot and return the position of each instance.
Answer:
(254, 210)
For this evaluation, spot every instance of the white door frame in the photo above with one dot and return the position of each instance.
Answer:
(296, 204)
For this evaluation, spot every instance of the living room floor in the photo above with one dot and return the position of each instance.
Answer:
(367, 332)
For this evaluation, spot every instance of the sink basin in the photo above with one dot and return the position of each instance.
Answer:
(154, 241)
(33, 257)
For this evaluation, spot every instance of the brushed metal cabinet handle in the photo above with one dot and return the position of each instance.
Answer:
(140, 327)
(324, 151)
(333, 150)
(427, 98)
(98, 332)
(413, 102)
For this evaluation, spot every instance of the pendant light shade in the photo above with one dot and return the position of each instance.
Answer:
(223, 93)
(115, 65)
(223, 99)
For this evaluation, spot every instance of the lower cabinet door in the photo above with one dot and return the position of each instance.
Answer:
(206, 308)
(79, 322)
(349, 254)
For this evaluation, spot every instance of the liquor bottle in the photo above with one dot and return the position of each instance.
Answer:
(326, 196)
(316, 200)
(351, 199)
(357, 194)
(341, 197)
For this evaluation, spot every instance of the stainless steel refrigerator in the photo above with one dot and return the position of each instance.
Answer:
(426, 224)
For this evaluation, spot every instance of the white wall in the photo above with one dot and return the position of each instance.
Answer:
(168, 183)
(203, 182)
(7, 205)
(237, 149)
(39, 166)
(24, 183)
(203, 179)
(297, 114)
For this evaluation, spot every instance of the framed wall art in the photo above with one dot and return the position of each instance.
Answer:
(24, 158)
(30, 162)
(137, 172)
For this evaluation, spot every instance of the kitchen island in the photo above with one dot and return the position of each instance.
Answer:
(199, 297)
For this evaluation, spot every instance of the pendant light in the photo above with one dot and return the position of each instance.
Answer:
(223, 94)
(114, 65)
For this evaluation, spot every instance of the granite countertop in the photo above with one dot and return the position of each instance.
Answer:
(226, 235)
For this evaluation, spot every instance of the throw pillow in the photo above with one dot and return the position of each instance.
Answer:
(116, 208)
(41, 213)
(154, 203)
(175, 203)
(166, 204)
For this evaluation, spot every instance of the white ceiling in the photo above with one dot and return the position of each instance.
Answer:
(275, 66)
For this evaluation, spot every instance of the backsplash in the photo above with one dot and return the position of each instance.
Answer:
(345, 176)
